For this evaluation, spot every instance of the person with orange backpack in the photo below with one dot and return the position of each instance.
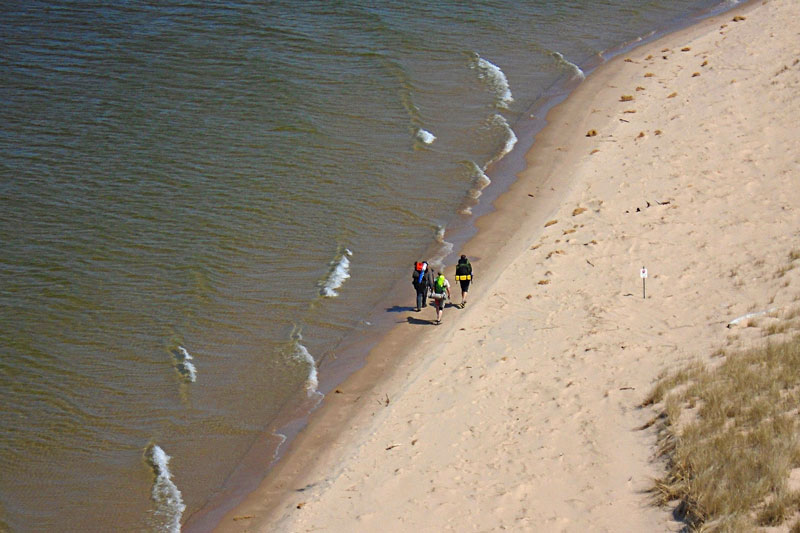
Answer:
(422, 279)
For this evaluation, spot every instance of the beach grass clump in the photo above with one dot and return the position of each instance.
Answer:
(783, 270)
(794, 255)
(730, 436)
(779, 328)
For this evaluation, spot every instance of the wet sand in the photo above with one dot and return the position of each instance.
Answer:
(520, 411)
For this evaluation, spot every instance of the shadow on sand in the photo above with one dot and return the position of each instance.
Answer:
(399, 309)
(419, 321)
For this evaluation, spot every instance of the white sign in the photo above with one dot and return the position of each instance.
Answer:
(644, 272)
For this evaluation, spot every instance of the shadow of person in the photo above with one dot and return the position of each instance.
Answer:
(398, 309)
(419, 321)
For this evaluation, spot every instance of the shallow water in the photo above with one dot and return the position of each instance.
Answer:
(199, 203)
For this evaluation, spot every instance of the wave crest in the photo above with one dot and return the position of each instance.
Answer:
(479, 182)
(312, 381)
(577, 73)
(302, 354)
(445, 249)
(184, 365)
(169, 503)
(511, 138)
(339, 273)
(425, 136)
(496, 79)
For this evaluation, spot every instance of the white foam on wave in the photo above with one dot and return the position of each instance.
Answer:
(169, 503)
(302, 353)
(184, 365)
(479, 182)
(497, 81)
(577, 73)
(481, 179)
(312, 381)
(282, 438)
(445, 248)
(425, 136)
(338, 275)
(511, 138)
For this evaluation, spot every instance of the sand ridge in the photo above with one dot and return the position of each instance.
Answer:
(520, 411)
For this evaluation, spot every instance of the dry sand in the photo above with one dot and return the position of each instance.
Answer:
(520, 412)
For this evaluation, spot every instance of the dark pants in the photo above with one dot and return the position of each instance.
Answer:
(422, 296)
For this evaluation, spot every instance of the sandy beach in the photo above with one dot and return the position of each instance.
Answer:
(520, 412)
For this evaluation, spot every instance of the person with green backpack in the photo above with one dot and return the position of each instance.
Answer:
(441, 293)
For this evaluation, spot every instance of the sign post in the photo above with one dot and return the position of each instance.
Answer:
(644, 279)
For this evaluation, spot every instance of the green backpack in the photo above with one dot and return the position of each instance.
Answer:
(438, 286)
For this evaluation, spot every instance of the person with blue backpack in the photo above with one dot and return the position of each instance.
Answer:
(422, 279)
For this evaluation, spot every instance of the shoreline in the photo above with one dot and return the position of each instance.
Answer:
(396, 364)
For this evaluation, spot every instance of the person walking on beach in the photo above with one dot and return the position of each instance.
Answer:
(464, 276)
(441, 289)
(422, 279)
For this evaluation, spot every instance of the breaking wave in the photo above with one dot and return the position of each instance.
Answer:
(480, 178)
(312, 381)
(445, 249)
(184, 365)
(340, 271)
(511, 138)
(169, 503)
(302, 354)
(577, 73)
(425, 136)
(479, 182)
(496, 79)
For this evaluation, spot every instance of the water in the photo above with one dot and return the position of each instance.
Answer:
(200, 203)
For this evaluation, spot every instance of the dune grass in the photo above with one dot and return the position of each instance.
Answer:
(729, 435)
(729, 432)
